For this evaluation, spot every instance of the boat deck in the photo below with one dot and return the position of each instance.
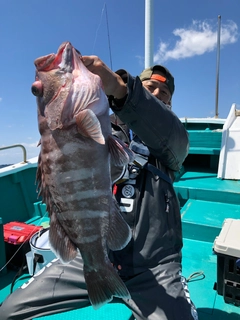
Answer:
(204, 206)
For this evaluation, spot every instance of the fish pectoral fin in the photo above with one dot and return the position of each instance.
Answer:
(89, 126)
(119, 233)
(120, 153)
(60, 243)
(104, 284)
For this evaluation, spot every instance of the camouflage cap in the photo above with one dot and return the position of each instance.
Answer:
(162, 71)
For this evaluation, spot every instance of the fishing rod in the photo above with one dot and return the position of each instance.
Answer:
(108, 34)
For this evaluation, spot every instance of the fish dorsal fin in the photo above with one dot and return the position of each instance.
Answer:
(89, 126)
(120, 153)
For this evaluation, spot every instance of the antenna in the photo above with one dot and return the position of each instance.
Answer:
(218, 60)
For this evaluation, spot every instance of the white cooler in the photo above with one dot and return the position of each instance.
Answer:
(227, 248)
(40, 254)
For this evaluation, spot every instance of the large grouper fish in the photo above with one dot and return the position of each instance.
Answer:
(73, 173)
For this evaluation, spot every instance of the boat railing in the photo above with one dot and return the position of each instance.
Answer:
(17, 146)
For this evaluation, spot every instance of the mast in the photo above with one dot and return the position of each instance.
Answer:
(218, 60)
(148, 33)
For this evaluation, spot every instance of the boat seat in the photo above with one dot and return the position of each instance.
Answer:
(40, 215)
(205, 141)
(202, 220)
(204, 186)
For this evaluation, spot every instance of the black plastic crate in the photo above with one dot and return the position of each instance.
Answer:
(227, 248)
(228, 279)
(231, 292)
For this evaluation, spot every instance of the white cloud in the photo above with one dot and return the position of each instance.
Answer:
(140, 60)
(30, 145)
(200, 37)
(0, 99)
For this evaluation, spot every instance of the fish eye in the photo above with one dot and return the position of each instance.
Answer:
(37, 89)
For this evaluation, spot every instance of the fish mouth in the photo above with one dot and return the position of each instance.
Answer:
(62, 60)
(66, 54)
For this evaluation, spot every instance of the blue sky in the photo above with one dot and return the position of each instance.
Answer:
(185, 35)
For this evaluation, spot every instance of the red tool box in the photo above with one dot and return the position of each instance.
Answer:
(16, 238)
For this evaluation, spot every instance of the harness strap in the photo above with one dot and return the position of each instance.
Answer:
(141, 162)
(158, 172)
(141, 159)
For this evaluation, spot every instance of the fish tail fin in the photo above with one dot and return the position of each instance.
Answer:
(120, 153)
(119, 233)
(103, 285)
(59, 241)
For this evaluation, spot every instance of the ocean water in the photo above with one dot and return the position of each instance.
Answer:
(4, 165)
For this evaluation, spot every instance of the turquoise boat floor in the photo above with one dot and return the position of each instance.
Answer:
(111, 311)
(197, 256)
(206, 186)
(206, 202)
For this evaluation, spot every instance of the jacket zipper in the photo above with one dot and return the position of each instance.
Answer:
(167, 203)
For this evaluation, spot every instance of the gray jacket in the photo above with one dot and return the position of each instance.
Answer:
(149, 203)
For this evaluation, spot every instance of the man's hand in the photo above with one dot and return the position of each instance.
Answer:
(112, 83)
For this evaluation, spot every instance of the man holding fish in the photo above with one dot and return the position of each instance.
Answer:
(147, 258)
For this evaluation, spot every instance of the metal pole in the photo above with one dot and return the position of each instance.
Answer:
(148, 33)
(218, 61)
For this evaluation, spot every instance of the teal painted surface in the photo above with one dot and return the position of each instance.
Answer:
(203, 124)
(205, 200)
(196, 150)
(205, 186)
(199, 256)
(205, 141)
(17, 195)
(40, 208)
(40, 215)
(111, 311)
(202, 220)
(6, 281)
(209, 213)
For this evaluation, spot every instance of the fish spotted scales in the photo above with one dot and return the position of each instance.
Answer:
(73, 173)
